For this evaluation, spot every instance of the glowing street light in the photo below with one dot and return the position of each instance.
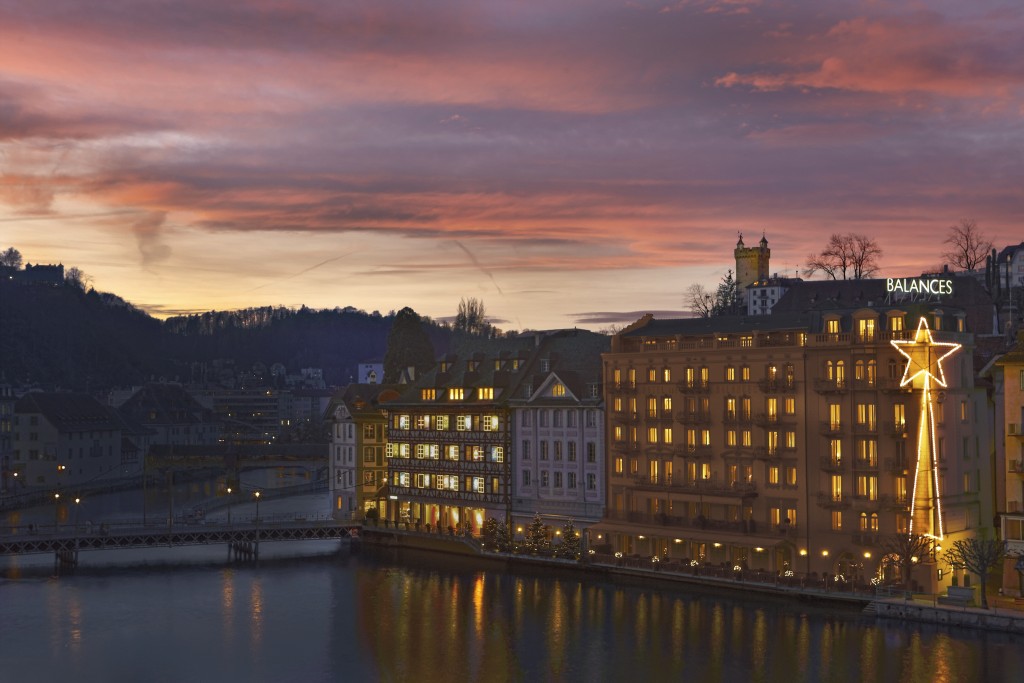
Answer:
(257, 495)
(229, 506)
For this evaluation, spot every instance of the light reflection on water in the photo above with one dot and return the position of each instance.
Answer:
(420, 618)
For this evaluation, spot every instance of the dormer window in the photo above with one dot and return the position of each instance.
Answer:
(428, 394)
(456, 394)
(545, 365)
(558, 389)
(485, 393)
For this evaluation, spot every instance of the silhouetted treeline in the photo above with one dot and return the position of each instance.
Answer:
(63, 337)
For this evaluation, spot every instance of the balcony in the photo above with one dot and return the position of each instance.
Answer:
(777, 386)
(865, 427)
(833, 500)
(828, 428)
(830, 464)
(865, 464)
(897, 430)
(694, 418)
(897, 465)
(830, 386)
(697, 387)
(894, 502)
(765, 420)
(1013, 429)
(865, 539)
(891, 385)
(693, 451)
(706, 487)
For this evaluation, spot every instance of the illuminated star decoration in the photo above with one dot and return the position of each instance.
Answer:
(924, 361)
(923, 355)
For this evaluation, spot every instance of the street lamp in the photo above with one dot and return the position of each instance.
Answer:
(229, 506)
(257, 494)
(56, 510)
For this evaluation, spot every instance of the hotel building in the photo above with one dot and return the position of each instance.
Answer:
(790, 441)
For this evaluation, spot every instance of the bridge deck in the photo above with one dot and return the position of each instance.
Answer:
(156, 536)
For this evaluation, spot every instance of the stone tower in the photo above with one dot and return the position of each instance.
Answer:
(751, 265)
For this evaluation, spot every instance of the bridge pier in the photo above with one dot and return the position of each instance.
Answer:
(65, 558)
(243, 550)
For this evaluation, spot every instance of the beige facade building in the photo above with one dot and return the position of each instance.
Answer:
(789, 442)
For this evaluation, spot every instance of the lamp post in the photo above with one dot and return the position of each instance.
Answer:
(257, 495)
(56, 510)
(229, 506)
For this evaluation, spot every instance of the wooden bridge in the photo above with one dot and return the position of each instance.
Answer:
(242, 539)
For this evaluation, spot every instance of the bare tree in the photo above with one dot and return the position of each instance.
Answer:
(11, 258)
(846, 257)
(699, 300)
(978, 556)
(908, 551)
(77, 278)
(472, 318)
(968, 247)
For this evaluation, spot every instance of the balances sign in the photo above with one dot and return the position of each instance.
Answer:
(917, 288)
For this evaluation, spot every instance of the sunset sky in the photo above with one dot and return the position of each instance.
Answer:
(569, 163)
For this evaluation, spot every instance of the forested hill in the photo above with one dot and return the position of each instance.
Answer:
(63, 337)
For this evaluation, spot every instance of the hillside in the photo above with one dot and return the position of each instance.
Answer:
(62, 337)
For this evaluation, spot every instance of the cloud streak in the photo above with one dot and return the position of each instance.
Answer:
(565, 146)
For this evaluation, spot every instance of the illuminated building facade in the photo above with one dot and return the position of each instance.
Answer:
(358, 468)
(450, 437)
(788, 441)
(1008, 373)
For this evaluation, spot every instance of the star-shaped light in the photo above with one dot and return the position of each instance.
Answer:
(924, 355)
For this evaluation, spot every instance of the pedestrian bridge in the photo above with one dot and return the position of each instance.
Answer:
(243, 539)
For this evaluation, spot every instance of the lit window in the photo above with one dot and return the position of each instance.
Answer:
(667, 435)
(485, 393)
(558, 389)
(490, 423)
(456, 394)
(428, 394)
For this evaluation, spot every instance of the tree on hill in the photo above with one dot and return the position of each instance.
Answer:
(846, 257)
(408, 346)
(704, 304)
(471, 318)
(968, 247)
(11, 258)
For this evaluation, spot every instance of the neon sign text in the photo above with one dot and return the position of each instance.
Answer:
(920, 285)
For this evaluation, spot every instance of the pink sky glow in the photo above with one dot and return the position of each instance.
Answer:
(570, 163)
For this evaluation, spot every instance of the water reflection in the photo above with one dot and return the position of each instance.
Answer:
(398, 618)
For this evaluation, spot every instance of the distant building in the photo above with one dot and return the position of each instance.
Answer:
(371, 372)
(35, 275)
(174, 416)
(751, 266)
(1008, 375)
(63, 440)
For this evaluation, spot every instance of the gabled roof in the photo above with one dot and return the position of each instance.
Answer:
(167, 404)
(721, 324)
(362, 399)
(70, 412)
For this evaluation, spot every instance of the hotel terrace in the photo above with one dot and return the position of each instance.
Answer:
(790, 441)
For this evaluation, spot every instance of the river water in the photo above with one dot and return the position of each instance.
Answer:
(403, 616)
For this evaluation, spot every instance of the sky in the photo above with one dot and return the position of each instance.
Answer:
(568, 163)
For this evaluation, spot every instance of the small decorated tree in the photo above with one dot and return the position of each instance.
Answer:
(570, 546)
(489, 533)
(537, 541)
(502, 538)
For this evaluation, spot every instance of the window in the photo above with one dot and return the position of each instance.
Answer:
(790, 439)
(497, 454)
(872, 374)
(591, 482)
(617, 378)
(745, 373)
(867, 452)
(463, 423)
(835, 416)
(544, 477)
(618, 465)
(558, 480)
(474, 453)
(666, 405)
(652, 407)
(478, 484)
(666, 435)
(730, 408)
(543, 450)
(526, 450)
(869, 522)
(791, 476)
(867, 486)
(591, 418)
(730, 374)
(836, 450)
(370, 456)
(837, 487)
(422, 422)
(745, 439)
(558, 450)
(485, 393)
(652, 375)
(866, 329)
(617, 433)
(730, 437)
(571, 446)
(428, 394)
(403, 421)
(526, 477)
(617, 404)
(963, 411)
(705, 437)
(490, 423)
(652, 435)
(837, 520)
(666, 375)
(866, 415)
(526, 421)
(570, 480)
(591, 451)
(832, 326)
(558, 389)
(441, 422)
(451, 452)
(773, 475)
(456, 393)
(772, 442)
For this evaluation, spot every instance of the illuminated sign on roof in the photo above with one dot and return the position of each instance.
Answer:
(917, 288)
